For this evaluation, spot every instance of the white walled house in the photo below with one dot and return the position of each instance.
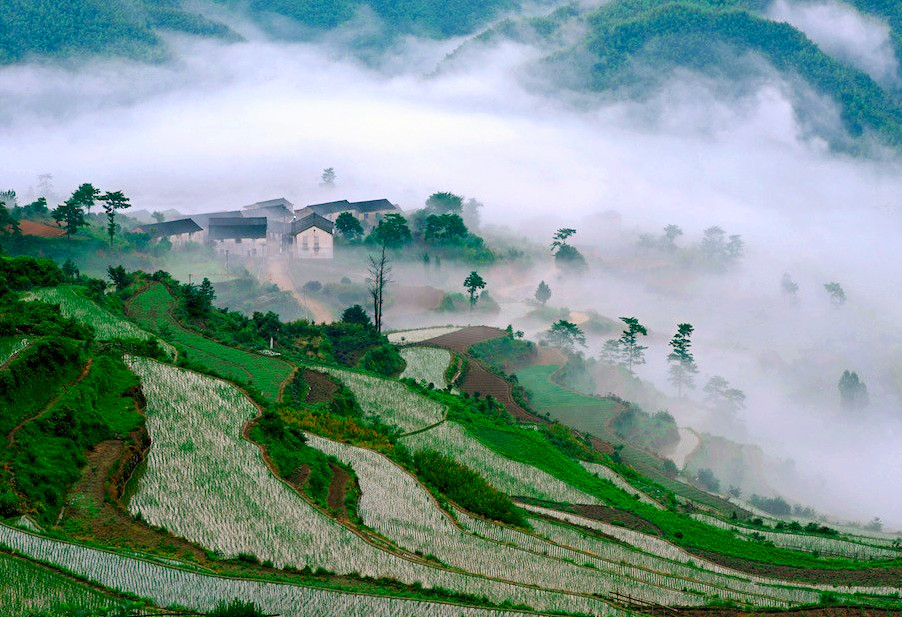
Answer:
(313, 237)
(177, 232)
(240, 236)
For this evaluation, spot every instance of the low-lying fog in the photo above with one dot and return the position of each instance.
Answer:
(227, 125)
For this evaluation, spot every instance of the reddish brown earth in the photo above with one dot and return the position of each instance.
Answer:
(865, 577)
(32, 228)
(297, 479)
(322, 388)
(618, 517)
(92, 517)
(337, 490)
(461, 340)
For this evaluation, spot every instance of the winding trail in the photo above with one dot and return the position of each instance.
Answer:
(279, 272)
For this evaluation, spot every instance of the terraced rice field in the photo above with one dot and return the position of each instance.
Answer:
(205, 483)
(390, 401)
(152, 309)
(426, 364)
(662, 549)
(407, 337)
(504, 474)
(854, 549)
(617, 480)
(72, 305)
(394, 504)
(27, 588)
(169, 586)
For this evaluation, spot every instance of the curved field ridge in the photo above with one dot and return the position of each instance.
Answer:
(426, 364)
(105, 324)
(405, 337)
(28, 589)
(204, 482)
(167, 586)
(389, 401)
(153, 307)
(504, 474)
(662, 548)
(618, 561)
(11, 346)
(809, 542)
(617, 480)
(394, 504)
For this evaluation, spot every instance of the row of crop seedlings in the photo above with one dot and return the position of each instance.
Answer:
(808, 542)
(396, 505)
(205, 483)
(106, 325)
(617, 480)
(426, 364)
(27, 588)
(390, 401)
(405, 337)
(168, 586)
(663, 548)
(571, 545)
(502, 473)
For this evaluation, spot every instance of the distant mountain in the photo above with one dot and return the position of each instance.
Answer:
(631, 48)
(131, 28)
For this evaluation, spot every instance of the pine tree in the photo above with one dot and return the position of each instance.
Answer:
(682, 364)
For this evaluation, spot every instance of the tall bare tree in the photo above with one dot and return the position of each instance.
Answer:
(379, 278)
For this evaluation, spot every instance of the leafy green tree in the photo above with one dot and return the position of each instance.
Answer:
(70, 270)
(391, 232)
(85, 196)
(159, 217)
(444, 203)
(356, 314)
(119, 276)
(632, 352)
(328, 177)
(236, 608)
(682, 363)
(718, 250)
(543, 292)
(707, 480)
(723, 396)
(348, 226)
(69, 216)
(837, 295)
(566, 335)
(853, 393)
(9, 224)
(566, 256)
(446, 229)
(112, 202)
(35, 210)
(473, 283)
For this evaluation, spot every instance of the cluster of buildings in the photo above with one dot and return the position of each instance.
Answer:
(270, 227)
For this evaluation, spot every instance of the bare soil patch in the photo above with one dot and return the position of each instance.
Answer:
(461, 340)
(337, 490)
(622, 518)
(478, 379)
(33, 228)
(299, 477)
(322, 388)
(864, 577)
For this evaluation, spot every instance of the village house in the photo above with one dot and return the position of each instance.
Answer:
(238, 235)
(312, 237)
(369, 213)
(178, 232)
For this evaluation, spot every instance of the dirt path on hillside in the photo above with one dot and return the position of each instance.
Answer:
(278, 272)
(12, 434)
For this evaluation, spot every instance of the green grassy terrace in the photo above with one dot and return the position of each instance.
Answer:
(152, 310)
